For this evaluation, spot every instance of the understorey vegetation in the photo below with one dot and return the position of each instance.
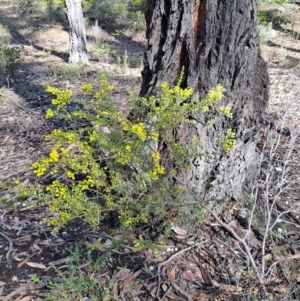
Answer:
(188, 193)
(108, 161)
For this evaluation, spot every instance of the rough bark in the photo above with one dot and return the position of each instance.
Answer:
(78, 52)
(217, 42)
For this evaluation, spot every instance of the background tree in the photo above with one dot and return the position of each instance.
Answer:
(216, 42)
(78, 51)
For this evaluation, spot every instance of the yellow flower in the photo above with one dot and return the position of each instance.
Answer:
(70, 175)
(52, 90)
(154, 136)
(227, 111)
(87, 89)
(139, 130)
(39, 169)
(49, 114)
(54, 156)
(164, 86)
(228, 141)
(156, 156)
(64, 151)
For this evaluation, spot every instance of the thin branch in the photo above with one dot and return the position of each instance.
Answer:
(161, 264)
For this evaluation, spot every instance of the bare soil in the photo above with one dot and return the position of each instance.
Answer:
(209, 266)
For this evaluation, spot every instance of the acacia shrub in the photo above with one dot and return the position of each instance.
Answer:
(106, 162)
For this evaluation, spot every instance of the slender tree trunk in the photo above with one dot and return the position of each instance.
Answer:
(78, 52)
(217, 42)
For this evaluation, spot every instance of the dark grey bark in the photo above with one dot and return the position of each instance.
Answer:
(78, 52)
(217, 42)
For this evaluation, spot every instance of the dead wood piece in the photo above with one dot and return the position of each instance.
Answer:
(9, 249)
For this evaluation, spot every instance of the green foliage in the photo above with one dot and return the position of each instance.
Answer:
(142, 244)
(275, 12)
(5, 36)
(111, 163)
(82, 281)
(274, 16)
(266, 32)
(70, 72)
(27, 6)
(107, 8)
(101, 49)
(138, 21)
(123, 63)
(228, 141)
(270, 13)
(139, 4)
(272, 1)
(130, 11)
(9, 59)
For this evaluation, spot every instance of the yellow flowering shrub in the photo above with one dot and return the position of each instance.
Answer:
(112, 163)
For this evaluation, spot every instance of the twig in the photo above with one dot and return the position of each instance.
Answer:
(166, 293)
(9, 249)
(243, 242)
(160, 265)
(228, 247)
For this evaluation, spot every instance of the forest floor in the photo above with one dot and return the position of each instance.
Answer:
(207, 266)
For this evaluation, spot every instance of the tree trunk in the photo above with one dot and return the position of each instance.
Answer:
(78, 52)
(216, 41)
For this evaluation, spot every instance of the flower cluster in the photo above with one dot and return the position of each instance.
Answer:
(229, 141)
(49, 114)
(62, 96)
(40, 168)
(157, 168)
(227, 111)
(213, 97)
(139, 130)
(87, 89)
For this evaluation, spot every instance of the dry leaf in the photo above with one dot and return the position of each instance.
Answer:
(2, 283)
(282, 288)
(15, 279)
(172, 296)
(149, 286)
(171, 274)
(22, 254)
(28, 298)
(122, 274)
(132, 277)
(23, 262)
(60, 261)
(164, 287)
(268, 257)
(188, 275)
(153, 292)
(179, 231)
(36, 265)
(226, 287)
(180, 237)
(115, 288)
(16, 292)
(35, 246)
(46, 242)
(296, 256)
